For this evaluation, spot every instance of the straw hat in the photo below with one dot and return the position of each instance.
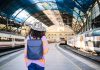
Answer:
(38, 26)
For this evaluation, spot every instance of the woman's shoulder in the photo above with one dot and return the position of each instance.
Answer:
(44, 38)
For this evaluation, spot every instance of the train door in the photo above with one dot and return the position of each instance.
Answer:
(82, 42)
(89, 38)
(96, 41)
(13, 41)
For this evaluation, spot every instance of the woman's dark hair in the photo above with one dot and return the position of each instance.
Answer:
(43, 33)
(35, 34)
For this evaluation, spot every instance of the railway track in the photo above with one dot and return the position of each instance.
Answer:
(87, 55)
(9, 51)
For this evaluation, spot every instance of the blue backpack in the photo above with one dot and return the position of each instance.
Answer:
(34, 49)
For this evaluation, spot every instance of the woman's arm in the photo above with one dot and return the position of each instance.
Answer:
(45, 45)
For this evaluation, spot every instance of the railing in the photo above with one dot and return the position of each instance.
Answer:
(10, 32)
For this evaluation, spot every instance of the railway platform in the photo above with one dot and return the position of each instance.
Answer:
(57, 59)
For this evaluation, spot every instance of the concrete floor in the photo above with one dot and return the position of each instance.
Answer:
(55, 60)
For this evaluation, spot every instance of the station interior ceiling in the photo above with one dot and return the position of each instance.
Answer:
(20, 11)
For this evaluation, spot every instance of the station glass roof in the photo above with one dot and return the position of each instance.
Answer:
(15, 9)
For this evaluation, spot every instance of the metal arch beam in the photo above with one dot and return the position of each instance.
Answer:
(98, 4)
(26, 19)
(34, 5)
(83, 0)
(71, 9)
(10, 10)
(22, 10)
(90, 8)
(41, 14)
(51, 2)
(79, 4)
(17, 14)
(87, 15)
(41, 2)
(76, 12)
(52, 7)
(7, 2)
(64, 6)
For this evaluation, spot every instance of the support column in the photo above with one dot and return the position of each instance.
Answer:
(7, 24)
(98, 4)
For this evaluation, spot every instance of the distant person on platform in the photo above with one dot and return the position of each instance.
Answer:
(36, 38)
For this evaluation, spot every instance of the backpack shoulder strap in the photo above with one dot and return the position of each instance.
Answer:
(29, 37)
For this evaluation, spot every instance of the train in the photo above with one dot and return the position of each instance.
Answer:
(8, 40)
(88, 41)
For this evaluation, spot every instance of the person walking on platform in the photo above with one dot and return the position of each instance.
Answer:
(36, 48)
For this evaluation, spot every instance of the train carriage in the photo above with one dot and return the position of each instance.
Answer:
(10, 40)
(88, 41)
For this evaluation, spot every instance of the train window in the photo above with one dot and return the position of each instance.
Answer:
(87, 35)
(96, 33)
(19, 39)
(5, 39)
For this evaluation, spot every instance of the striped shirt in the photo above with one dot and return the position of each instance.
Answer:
(40, 62)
